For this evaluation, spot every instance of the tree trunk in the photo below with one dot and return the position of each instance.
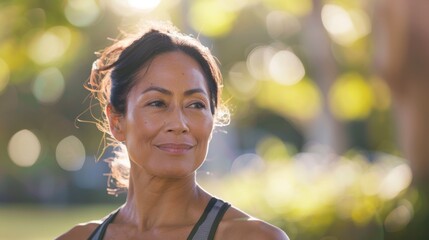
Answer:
(401, 58)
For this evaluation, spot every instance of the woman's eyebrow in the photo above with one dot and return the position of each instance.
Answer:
(195, 90)
(168, 92)
(158, 89)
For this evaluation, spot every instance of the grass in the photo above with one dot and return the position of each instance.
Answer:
(43, 222)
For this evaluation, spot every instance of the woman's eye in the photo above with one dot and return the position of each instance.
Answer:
(198, 105)
(157, 104)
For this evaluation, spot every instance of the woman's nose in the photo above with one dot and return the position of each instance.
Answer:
(177, 122)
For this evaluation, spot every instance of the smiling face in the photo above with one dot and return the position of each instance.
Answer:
(168, 122)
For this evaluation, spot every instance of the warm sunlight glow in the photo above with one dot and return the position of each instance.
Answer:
(136, 13)
(24, 148)
(143, 4)
(70, 153)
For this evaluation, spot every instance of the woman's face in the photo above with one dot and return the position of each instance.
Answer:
(168, 123)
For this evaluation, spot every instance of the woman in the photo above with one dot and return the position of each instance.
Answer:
(160, 92)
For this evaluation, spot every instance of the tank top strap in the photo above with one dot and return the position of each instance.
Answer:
(99, 232)
(205, 228)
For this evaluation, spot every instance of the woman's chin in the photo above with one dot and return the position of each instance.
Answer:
(175, 172)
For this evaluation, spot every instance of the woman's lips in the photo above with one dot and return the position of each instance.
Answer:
(175, 148)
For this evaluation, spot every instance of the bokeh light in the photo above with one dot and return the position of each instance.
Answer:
(49, 85)
(81, 13)
(398, 179)
(24, 148)
(282, 66)
(70, 153)
(211, 17)
(370, 182)
(383, 98)
(280, 190)
(144, 4)
(4, 75)
(281, 24)
(316, 190)
(130, 8)
(248, 162)
(399, 217)
(298, 8)
(241, 83)
(300, 101)
(271, 148)
(120, 7)
(351, 97)
(258, 60)
(344, 26)
(286, 68)
(271, 79)
(49, 46)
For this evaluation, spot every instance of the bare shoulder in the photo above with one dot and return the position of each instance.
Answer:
(238, 225)
(80, 231)
(254, 229)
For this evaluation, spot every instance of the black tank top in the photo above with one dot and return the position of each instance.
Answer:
(204, 229)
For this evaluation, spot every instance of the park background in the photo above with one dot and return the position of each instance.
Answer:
(328, 138)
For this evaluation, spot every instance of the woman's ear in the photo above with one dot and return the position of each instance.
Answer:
(116, 123)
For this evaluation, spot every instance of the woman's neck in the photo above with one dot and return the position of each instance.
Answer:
(153, 201)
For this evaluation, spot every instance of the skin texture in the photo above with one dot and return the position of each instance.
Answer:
(166, 129)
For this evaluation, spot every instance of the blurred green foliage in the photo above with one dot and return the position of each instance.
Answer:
(318, 195)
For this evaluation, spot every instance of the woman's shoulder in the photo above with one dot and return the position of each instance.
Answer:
(80, 231)
(84, 230)
(238, 225)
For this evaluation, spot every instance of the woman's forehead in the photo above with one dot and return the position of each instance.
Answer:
(172, 70)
